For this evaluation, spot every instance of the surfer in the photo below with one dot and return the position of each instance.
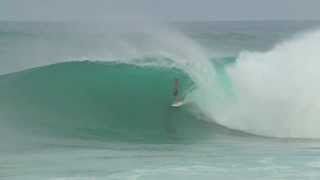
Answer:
(176, 90)
(178, 102)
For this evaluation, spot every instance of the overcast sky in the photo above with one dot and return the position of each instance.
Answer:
(166, 10)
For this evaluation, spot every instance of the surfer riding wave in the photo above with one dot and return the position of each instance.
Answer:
(178, 101)
(176, 90)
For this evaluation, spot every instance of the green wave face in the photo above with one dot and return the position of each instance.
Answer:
(107, 102)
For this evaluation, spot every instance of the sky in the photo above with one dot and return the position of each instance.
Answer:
(165, 10)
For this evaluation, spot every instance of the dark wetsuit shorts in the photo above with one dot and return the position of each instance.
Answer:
(175, 93)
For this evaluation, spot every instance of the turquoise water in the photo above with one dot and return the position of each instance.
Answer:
(96, 104)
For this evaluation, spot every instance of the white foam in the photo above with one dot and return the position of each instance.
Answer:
(277, 92)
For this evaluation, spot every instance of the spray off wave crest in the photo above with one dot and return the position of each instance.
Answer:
(97, 92)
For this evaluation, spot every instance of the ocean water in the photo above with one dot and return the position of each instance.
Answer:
(87, 101)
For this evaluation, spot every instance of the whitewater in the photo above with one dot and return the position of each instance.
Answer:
(92, 101)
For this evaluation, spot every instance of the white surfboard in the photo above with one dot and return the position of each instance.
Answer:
(177, 104)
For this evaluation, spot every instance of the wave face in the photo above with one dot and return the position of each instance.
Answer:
(101, 101)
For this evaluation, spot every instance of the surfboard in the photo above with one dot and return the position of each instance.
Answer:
(177, 104)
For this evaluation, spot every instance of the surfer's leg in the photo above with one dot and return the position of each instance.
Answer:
(175, 94)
